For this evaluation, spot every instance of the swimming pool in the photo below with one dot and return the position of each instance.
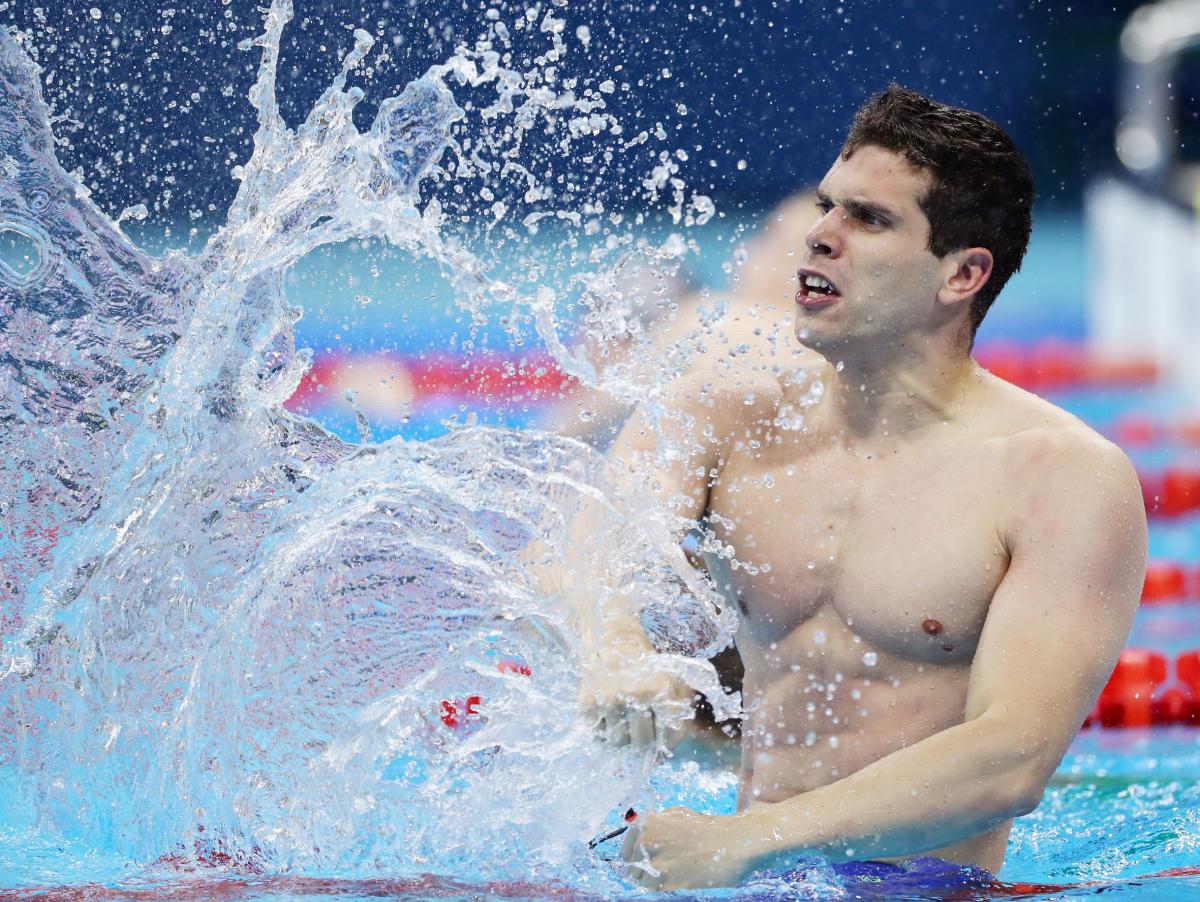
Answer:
(244, 637)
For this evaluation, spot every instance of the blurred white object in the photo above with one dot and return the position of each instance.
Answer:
(1144, 229)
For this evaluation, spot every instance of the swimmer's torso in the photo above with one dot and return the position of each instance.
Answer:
(859, 637)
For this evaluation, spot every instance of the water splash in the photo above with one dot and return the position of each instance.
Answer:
(227, 630)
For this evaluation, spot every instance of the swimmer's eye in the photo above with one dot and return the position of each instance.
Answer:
(862, 214)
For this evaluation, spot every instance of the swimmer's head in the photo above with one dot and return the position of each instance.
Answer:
(980, 191)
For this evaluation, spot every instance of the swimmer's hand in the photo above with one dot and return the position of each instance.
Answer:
(680, 849)
(635, 696)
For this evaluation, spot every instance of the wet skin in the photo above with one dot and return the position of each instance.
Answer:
(944, 566)
(884, 558)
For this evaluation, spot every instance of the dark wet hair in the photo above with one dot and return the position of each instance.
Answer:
(982, 190)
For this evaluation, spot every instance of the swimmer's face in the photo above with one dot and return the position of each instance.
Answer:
(870, 245)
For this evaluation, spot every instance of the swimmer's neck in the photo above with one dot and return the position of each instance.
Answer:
(872, 397)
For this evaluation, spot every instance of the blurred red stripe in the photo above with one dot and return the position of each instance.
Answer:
(1057, 364)
(491, 379)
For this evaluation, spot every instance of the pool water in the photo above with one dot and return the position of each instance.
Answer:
(181, 648)
(1120, 815)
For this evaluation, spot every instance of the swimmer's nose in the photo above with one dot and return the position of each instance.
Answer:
(822, 239)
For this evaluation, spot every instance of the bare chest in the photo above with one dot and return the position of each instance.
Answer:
(901, 547)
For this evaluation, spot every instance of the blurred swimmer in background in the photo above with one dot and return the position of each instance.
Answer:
(674, 315)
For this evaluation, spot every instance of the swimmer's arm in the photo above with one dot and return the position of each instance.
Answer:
(623, 687)
(646, 455)
(1077, 537)
(677, 487)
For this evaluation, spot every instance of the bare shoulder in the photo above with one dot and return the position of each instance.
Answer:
(1043, 436)
(1052, 459)
(729, 393)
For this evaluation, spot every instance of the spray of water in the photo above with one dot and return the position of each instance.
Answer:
(226, 629)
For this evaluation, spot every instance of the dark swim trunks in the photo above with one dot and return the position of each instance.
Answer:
(914, 878)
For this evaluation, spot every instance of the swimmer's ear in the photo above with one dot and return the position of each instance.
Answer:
(963, 274)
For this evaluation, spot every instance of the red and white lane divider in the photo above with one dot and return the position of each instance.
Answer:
(1173, 492)
(1139, 431)
(388, 385)
(1171, 582)
(457, 713)
(1058, 365)
(387, 382)
(1142, 693)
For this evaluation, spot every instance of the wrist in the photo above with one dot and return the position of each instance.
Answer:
(768, 840)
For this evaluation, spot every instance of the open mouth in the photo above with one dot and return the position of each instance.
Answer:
(816, 290)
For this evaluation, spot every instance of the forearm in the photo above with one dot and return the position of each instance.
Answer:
(955, 784)
(603, 616)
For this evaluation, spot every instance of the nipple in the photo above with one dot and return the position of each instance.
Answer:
(931, 626)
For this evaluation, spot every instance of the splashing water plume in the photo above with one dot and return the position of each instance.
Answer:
(226, 629)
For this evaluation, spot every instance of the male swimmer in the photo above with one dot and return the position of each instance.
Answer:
(954, 564)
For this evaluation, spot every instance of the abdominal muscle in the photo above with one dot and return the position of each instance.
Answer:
(805, 730)
(815, 715)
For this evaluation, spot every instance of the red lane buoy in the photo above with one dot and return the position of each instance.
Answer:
(1187, 665)
(455, 713)
(1127, 698)
(1056, 364)
(1121, 371)
(518, 668)
(1174, 705)
(1152, 492)
(1005, 360)
(1166, 581)
(1137, 430)
(1187, 430)
(458, 712)
(1187, 668)
(1180, 490)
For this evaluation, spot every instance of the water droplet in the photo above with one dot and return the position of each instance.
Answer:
(95, 13)
(870, 659)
